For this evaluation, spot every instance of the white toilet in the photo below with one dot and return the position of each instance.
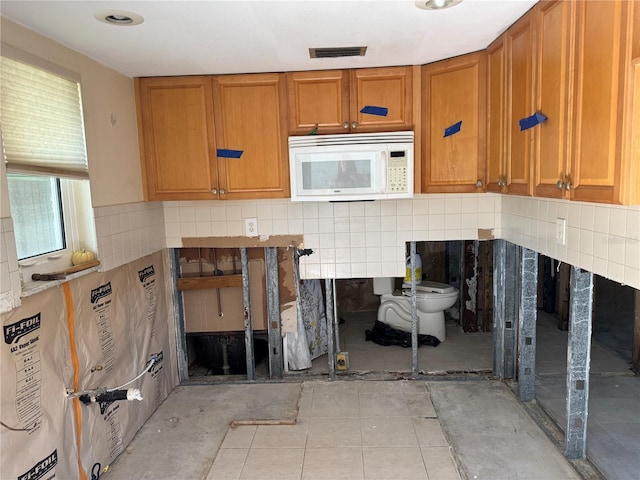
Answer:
(432, 299)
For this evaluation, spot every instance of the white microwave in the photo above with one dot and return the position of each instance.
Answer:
(359, 166)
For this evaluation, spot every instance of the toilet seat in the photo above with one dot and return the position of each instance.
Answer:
(427, 286)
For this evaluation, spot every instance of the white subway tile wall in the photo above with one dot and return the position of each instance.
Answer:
(364, 239)
(349, 239)
(368, 239)
(604, 239)
(10, 287)
(131, 231)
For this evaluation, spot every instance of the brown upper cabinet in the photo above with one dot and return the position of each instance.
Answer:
(555, 24)
(176, 133)
(184, 157)
(333, 100)
(604, 164)
(453, 153)
(250, 117)
(509, 99)
(519, 105)
(496, 175)
(573, 62)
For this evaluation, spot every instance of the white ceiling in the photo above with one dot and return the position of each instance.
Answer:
(238, 36)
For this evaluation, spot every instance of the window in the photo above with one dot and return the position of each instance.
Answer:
(44, 150)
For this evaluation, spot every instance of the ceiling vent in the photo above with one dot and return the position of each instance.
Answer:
(337, 52)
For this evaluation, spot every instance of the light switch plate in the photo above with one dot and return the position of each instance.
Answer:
(561, 231)
(250, 227)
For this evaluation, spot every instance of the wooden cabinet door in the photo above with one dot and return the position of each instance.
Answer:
(250, 116)
(175, 118)
(318, 99)
(389, 88)
(519, 44)
(454, 91)
(553, 89)
(496, 134)
(596, 169)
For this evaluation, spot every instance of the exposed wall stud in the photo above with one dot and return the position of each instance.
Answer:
(528, 316)
(414, 312)
(635, 354)
(179, 320)
(578, 362)
(276, 365)
(505, 283)
(329, 307)
(248, 325)
(511, 285)
(499, 323)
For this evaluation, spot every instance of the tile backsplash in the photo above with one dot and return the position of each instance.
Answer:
(349, 239)
(128, 232)
(603, 239)
(365, 239)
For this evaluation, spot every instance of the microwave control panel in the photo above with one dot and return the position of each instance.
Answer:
(397, 172)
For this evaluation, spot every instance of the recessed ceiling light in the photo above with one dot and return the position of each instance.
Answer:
(118, 17)
(436, 4)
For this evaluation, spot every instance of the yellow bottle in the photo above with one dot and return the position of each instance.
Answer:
(407, 275)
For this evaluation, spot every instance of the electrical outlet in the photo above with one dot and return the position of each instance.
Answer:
(561, 231)
(342, 361)
(250, 227)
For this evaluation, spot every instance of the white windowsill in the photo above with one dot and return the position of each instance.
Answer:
(32, 287)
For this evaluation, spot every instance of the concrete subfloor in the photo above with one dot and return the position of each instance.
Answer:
(389, 430)
(613, 426)
(481, 420)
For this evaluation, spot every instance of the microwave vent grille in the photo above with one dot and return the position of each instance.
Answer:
(351, 139)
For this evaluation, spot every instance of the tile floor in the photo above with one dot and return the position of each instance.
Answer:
(345, 430)
(460, 352)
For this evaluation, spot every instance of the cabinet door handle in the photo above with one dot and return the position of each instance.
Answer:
(222, 191)
(560, 184)
(354, 125)
(214, 191)
(567, 185)
(345, 125)
(479, 183)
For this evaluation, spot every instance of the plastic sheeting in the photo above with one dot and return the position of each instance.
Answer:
(121, 319)
(310, 339)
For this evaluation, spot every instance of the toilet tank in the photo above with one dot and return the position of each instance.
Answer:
(383, 285)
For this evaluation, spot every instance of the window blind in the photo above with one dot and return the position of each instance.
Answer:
(42, 124)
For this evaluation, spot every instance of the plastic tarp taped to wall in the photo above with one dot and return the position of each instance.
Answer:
(121, 326)
(121, 321)
(37, 438)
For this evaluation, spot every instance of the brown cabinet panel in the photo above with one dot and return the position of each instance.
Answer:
(519, 43)
(596, 173)
(332, 100)
(453, 91)
(249, 115)
(318, 99)
(176, 137)
(389, 88)
(554, 76)
(496, 134)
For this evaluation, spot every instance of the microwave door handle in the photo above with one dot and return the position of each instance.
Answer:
(385, 171)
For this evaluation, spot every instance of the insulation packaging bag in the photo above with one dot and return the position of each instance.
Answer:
(38, 430)
(122, 322)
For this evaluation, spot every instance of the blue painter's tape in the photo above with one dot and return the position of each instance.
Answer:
(226, 153)
(371, 110)
(532, 121)
(455, 128)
